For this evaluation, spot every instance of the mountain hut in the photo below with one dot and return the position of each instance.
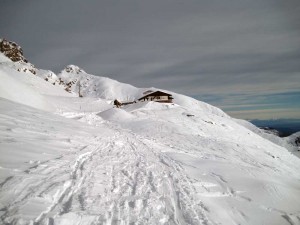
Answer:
(157, 96)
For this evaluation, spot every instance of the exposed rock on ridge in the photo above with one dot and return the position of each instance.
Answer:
(15, 53)
(12, 50)
(74, 69)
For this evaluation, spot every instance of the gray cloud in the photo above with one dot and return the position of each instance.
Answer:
(195, 47)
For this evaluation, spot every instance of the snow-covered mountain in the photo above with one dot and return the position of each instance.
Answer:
(78, 160)
(105, 88)
(291, 143)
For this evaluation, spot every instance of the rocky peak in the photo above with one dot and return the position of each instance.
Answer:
(12, 50)
(74, 69)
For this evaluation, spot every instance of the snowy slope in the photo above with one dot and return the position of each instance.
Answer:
(95, 86)
(286, 142)
(18, 84)
(16, 87)
(3, 58)
(293, 143)
(145, 163)
(103, 87)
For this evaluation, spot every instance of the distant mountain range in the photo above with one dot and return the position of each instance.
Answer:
(285, 127)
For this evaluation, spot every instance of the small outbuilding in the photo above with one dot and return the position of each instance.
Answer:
(157, 96)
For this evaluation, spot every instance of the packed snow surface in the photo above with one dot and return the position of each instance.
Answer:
(71, 160)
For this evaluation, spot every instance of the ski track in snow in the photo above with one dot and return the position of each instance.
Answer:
(108, 182)
(122, 179)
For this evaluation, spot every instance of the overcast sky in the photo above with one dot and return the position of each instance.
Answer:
(240, 55)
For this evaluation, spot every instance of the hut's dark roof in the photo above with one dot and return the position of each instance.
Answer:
(156, 93)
